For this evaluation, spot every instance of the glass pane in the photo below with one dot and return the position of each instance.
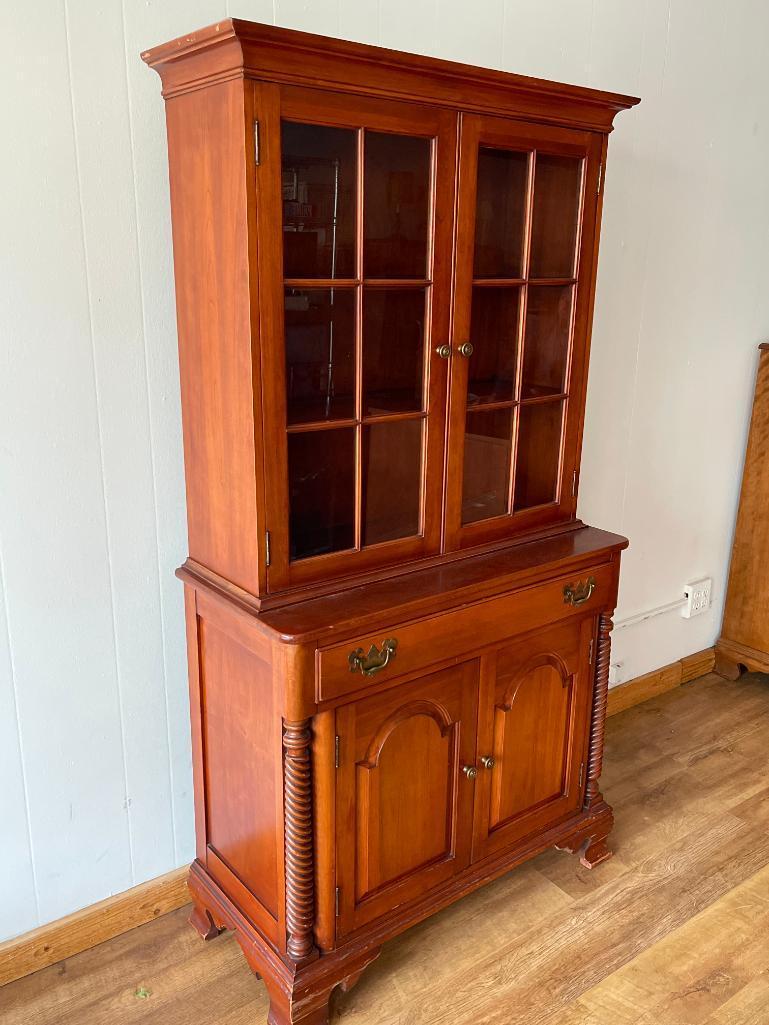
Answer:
(494, 334)
(548, 325)
(392, 469)
(488, 435)
(557, 182)
(396, 206)
(321, 481)
(319, 176)
(500, 213)
(393, 349)
(539, 454)
(320, 354)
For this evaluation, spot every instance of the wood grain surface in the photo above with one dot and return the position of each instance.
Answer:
(674, 930)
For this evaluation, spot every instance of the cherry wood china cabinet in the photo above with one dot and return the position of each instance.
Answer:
(398, 630)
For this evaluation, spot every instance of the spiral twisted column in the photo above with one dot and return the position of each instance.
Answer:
(598, 716)
(297, 790)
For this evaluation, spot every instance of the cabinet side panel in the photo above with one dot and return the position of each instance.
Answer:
(209, 206)
(242, 775)
(746, 616)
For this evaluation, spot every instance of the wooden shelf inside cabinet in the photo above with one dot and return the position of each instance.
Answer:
(385, 272)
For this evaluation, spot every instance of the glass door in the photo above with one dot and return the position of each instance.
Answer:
(524, 278)
(359, 337)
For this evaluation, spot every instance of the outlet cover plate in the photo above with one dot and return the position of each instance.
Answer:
(697, 595)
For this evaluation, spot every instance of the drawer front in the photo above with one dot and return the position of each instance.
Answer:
(360, 662)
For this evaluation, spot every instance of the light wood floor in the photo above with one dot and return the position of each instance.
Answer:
(674, 930)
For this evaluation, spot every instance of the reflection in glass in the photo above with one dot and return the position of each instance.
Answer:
(321, 481)
(320, 354)
(393, 349)
(494, 335)
(557, 182)
(500, 213)
(546, 348)
(318, 181)
(392, 469)
(539, 454)
(396, 206)
(486, 480)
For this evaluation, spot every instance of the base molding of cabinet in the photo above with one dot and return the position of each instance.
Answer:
(732, 658)
(300, 993)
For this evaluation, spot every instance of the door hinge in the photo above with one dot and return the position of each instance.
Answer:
(336, 902)
(336, 752)
(600, 178)
(267, 552)
(256, 143)
(590, 652)
(581, 773)
(574, 484)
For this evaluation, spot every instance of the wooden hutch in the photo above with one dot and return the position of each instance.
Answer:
(398, 630)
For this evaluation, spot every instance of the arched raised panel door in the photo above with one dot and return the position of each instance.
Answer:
(534, 715)
(403, 802)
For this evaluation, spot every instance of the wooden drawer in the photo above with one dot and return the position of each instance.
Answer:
(463, 630)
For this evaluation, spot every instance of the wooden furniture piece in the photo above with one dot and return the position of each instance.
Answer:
(744, 640)
(398, 630)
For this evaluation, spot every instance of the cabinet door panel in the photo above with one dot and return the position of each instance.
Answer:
(533, 718)
(404, 806)
(355, 207)
(523, 293)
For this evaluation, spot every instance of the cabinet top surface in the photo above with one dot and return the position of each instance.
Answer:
(429, 591)
(278, 54)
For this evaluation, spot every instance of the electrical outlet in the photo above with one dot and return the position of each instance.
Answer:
(697, 595)
(615, 673)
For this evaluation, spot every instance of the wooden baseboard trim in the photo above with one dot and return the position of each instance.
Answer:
(650, 685)
(93, 925)
(115, 915)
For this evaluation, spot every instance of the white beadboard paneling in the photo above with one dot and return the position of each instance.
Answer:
(548, 40)
(145, 26)
(93, 693)
(17, 878)
(359, 20)
(52, 510)
(100, 102)
(320, 16)
(404, 25)
(471, 33)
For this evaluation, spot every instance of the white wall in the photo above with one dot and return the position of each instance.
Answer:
(95, 789)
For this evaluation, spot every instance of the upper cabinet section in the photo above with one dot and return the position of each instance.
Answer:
(385, 268)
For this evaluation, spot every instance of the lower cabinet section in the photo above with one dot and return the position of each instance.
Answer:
(449, 768)
(347, 790)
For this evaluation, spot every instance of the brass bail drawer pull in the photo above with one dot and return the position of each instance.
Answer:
(579, 593)
(375, 660)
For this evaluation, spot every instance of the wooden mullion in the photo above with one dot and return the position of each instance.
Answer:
(307, 283)
(386, 418)
(498, 282)
(321, 425)
(522, 310)
(540, 400)
(414, 283)
(359, 229)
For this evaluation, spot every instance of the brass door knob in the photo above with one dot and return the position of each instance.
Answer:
(470, 771)
(444, 351)
(488, 762)
(466, 349)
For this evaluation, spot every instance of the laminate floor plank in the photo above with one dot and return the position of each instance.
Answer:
(674, 930)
